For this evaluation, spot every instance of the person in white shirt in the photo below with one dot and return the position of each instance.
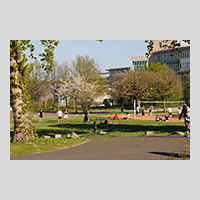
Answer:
(170, 111)
(59, 115)
(127, 116)
(179, 112)
(137, 110)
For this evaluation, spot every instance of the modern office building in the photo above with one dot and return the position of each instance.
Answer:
(138, 62)
(104, 75)
(162, 55)
(112, 71)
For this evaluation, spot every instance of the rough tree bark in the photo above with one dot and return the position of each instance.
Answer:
(23, 126)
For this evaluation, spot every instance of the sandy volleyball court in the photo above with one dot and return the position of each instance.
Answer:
(173, 118)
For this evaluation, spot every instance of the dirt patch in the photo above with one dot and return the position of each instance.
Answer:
(173, 118)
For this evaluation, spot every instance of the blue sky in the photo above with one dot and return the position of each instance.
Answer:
(108, 54)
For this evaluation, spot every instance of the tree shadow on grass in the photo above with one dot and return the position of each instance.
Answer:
(89, 128)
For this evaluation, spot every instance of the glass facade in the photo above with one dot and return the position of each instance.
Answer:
(138, 64)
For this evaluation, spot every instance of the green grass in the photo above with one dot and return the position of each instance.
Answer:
(41, 145)
(121, 128)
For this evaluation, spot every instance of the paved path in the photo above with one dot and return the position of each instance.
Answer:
(118, 148)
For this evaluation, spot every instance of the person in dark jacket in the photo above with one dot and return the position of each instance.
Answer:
(41, 113)
(86, 116)
(186, 114)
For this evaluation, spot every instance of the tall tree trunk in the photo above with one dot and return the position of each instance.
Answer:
(132, 98)
(164, 109)
(54, 101)
(23, 126)
(75, 106)
(35, 105)
(137, 101)
(122, 105)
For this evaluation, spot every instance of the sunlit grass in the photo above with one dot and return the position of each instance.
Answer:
(122, 128)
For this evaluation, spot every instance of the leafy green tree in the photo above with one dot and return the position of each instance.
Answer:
(139, 81)
(165, 84)
(157, 67)
(88, 68)
(120, 88)
(186, 84)
(59, 73)
(19, 74)
(37, 83)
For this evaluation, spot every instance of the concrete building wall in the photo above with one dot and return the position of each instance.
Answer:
(164, 56)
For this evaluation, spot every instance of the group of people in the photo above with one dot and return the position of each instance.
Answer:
(143, 110)
(185, 112)
(117, 117)
(59, 113)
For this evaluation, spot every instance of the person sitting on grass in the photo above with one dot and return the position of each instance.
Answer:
(116, 117)
(127, 116)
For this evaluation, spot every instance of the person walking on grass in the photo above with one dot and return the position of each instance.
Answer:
(66, 114)
(59, 115)
(41, 114)
(186, 114)
(86, 116)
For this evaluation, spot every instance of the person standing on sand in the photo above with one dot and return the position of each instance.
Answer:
(170, 111)
(137, 110)
(142, 110)
(150, 110)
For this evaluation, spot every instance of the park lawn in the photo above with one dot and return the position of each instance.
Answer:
(42, 144)
(121, 128)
